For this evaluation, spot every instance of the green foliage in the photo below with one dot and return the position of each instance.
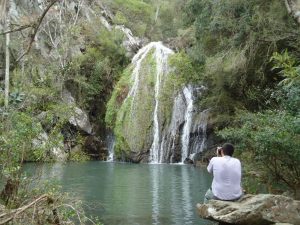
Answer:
(289, 98)
(121, 145)
(271, 137)
(78, 156)
(234, 43)
(288, 91)
(153, 19)
(95, 72)
(289, 69)
(273, 141)
(134, 14)
(31, 126)
(166, 20)
(17, 130)
(119, 94)
(183, 69)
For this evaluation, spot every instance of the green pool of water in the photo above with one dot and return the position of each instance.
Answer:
(133, 194)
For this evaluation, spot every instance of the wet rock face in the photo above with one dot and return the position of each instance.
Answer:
(253, 210)
(95, 148)
(172, 130)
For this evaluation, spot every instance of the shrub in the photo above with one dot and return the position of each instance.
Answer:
(272, 138)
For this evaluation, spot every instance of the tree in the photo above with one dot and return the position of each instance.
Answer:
(7, 62)
(5, 19)
(5, 12)
(272, 137)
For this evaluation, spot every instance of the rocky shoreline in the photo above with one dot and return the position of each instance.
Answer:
(261, 209)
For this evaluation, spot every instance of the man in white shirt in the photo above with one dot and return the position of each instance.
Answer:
(227, 174)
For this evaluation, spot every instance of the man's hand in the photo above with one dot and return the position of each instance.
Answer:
(219, 151)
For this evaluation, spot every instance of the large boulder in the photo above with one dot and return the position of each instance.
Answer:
(253, 210)
(56, 152)
(80, 118)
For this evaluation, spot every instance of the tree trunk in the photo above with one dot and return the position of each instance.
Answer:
(2, 9)
(7, 62)
(6, 14)
(10, 190)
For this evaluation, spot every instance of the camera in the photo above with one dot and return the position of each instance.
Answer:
(219, 150)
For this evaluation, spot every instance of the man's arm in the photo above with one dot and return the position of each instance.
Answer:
(210, 165)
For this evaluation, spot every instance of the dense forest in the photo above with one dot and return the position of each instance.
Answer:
(65, 72)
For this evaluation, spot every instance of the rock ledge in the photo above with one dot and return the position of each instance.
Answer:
(253, 210)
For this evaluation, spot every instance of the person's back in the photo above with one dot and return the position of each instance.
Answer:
(227, 174)
(226, 183)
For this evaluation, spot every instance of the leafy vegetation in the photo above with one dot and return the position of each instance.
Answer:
(272, 137)
(92, 75)
(235, 41)
(247, 53)
(269, 142)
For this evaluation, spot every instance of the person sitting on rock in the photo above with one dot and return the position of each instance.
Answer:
(227, 175)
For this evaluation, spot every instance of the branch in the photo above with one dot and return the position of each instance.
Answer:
(270, 166)
(35, 30)
(78, 214)
(14, 213)
(17, 29)
(20, 210)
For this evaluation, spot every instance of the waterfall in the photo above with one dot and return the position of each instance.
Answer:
(144, 128)
(137, 62)
(185, 138)
(170, 135)
(161, 55)
(110, 144)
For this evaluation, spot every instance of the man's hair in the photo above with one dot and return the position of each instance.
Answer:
(228, 149)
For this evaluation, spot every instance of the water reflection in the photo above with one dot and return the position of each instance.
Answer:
(131, 194)
(186, 198)
(53, 171)
(175, 198)
(155, 194)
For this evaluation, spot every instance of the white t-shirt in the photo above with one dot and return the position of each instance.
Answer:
(227, 173)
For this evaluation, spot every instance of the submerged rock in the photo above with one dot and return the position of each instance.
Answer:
(253, 210)
(188, 161)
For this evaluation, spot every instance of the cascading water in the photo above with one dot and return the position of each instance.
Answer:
(110, 144)
(161, 55)
(186, 134)
(144, 76)
(185, 138)
(143, 128)
(137, 62)
(170, 135)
